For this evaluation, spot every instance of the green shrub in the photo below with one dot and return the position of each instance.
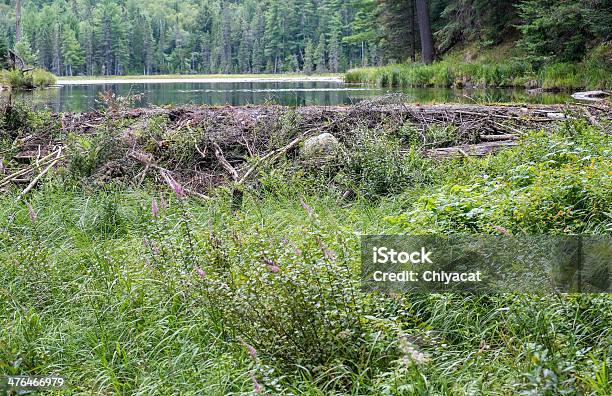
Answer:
(18, 80)
(293, 303)
(376, 165)
(42, 78)
(552, 184)
(15, 79)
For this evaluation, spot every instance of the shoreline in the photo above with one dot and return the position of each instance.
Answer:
(187, 79)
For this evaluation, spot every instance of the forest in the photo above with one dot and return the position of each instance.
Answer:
(126, 37)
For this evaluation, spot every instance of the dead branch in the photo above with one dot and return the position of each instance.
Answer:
(226, 165)
(40, 175)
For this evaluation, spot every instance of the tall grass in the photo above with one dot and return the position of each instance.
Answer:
(594, 72)
(144, 291)
(443, 74)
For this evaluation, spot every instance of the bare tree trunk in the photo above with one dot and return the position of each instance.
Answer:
(17, 21)
(427, 46)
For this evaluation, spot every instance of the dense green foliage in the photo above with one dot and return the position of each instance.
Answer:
(562, 30)
(559, 44)
(127, 285)
(3, 50)
(112, 37)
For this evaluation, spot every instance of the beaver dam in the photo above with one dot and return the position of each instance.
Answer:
(203, 147)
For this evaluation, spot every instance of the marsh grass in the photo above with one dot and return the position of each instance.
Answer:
(196, 297)
(593, 73)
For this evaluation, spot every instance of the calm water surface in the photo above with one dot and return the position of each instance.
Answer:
(86, 97)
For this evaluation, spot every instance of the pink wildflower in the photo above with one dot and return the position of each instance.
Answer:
(162, 202)
(501, 230)
(252, 351)
(31, 213)
(256, 385)
(154, 208)
(178, 189)
(272, 266)
(201, 272)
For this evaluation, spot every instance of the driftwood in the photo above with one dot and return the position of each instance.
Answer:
(591, 96)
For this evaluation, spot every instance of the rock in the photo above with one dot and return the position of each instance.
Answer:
(319, 146)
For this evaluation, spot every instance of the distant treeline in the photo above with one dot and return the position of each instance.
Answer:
(114, 37)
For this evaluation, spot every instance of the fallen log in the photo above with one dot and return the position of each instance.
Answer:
(591, 96)
(497, 138)
(477, 150)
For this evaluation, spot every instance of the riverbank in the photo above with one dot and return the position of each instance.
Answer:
(506, 69)
(200, 241)
(211, 78)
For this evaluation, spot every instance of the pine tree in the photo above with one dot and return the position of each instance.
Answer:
(319, 55)
(334, 52)
(553, 29)
(24, 49)
(86, 35)
(257, 58)
(72, 53)
(308, 67)
(244, 61)
(427, 46)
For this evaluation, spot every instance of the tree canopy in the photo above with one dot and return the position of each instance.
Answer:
(108, 37)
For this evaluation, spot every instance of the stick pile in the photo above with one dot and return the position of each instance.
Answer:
(204, 146)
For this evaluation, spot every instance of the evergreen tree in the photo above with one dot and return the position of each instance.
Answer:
(257, 61)
(244, 61)
(308, 67)
(23, 48)
(87, 40)
(319, 55)
(3, 54)
(398, 28)
(222, 36)
(427, 46)
(553, 29)
(334, 52)
(73, 56)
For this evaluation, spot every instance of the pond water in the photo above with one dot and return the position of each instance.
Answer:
(79, 98)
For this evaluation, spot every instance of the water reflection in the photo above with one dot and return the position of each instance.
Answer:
(86, 97)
